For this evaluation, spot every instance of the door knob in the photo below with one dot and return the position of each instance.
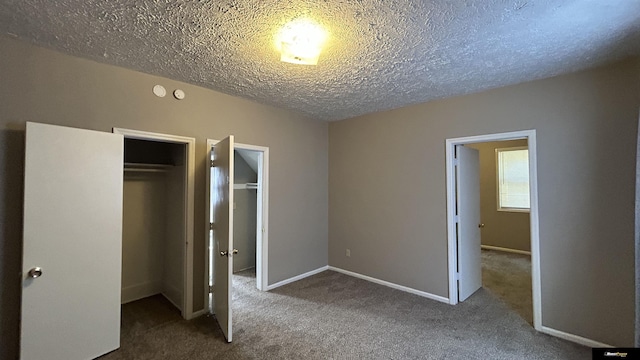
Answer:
(227, 253)
(36, 272)
(480, 226)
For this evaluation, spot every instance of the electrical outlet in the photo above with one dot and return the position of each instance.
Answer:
(348, 253)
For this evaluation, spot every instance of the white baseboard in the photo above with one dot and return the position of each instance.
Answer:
(195, 314)
(296, 278)
(247, 268)
(498, 248)
(392, 285)
(574, 338)
(140, 291)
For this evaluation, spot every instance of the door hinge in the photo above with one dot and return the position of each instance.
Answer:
(457, 276)
(211, 226)
(212, 163)
(456, 219)
(455, 162)
(210, 289)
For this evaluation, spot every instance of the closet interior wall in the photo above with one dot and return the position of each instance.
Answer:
(244, 214)
(153, 221)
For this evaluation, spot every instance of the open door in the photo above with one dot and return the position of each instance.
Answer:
(222, 198)
(468, 205)
(72, 243)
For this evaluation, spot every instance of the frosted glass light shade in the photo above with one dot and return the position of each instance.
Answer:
(300, 42)
(299, 54)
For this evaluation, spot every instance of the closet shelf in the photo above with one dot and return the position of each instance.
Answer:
(248, 186)
(140, 167)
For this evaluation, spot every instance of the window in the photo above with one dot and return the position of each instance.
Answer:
(513, 179)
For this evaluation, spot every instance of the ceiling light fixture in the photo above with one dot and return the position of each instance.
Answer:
(300, 42)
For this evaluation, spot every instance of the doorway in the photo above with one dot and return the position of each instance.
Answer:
(458, 221)
(161, 166)
(504, 223)
(253, 159)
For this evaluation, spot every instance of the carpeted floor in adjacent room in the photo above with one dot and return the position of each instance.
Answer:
(508, 276)
(334, 316)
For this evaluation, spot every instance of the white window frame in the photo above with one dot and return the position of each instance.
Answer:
(500, 208)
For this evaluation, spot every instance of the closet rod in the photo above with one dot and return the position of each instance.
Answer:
(145, 170)
(139, 167)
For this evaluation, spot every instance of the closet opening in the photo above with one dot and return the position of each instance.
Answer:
(248, 180)
(245, 212)
(153, 221)
(157, 220)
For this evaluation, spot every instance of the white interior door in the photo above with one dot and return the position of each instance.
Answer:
(222, 198)
(72, 243)
(468, 205)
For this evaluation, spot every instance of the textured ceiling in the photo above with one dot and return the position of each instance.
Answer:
(380, 54)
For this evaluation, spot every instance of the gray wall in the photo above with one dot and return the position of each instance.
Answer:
(387, 192)
(242, 172)
(504, 229)
(244, 216)
(175, 227)
(144, 218)
(45, 86)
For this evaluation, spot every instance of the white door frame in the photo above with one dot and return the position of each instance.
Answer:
(187, 296)
(530, 135)
(262, 220)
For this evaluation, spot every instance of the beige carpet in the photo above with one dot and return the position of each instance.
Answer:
(508, 276)
(334, 316)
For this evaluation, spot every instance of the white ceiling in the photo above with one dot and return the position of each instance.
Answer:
(380, 54)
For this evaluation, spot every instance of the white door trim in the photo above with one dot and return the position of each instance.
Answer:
(187, 308)
(530, 135)
(262, 237)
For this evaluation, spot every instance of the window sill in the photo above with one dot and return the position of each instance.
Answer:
(515, 210)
